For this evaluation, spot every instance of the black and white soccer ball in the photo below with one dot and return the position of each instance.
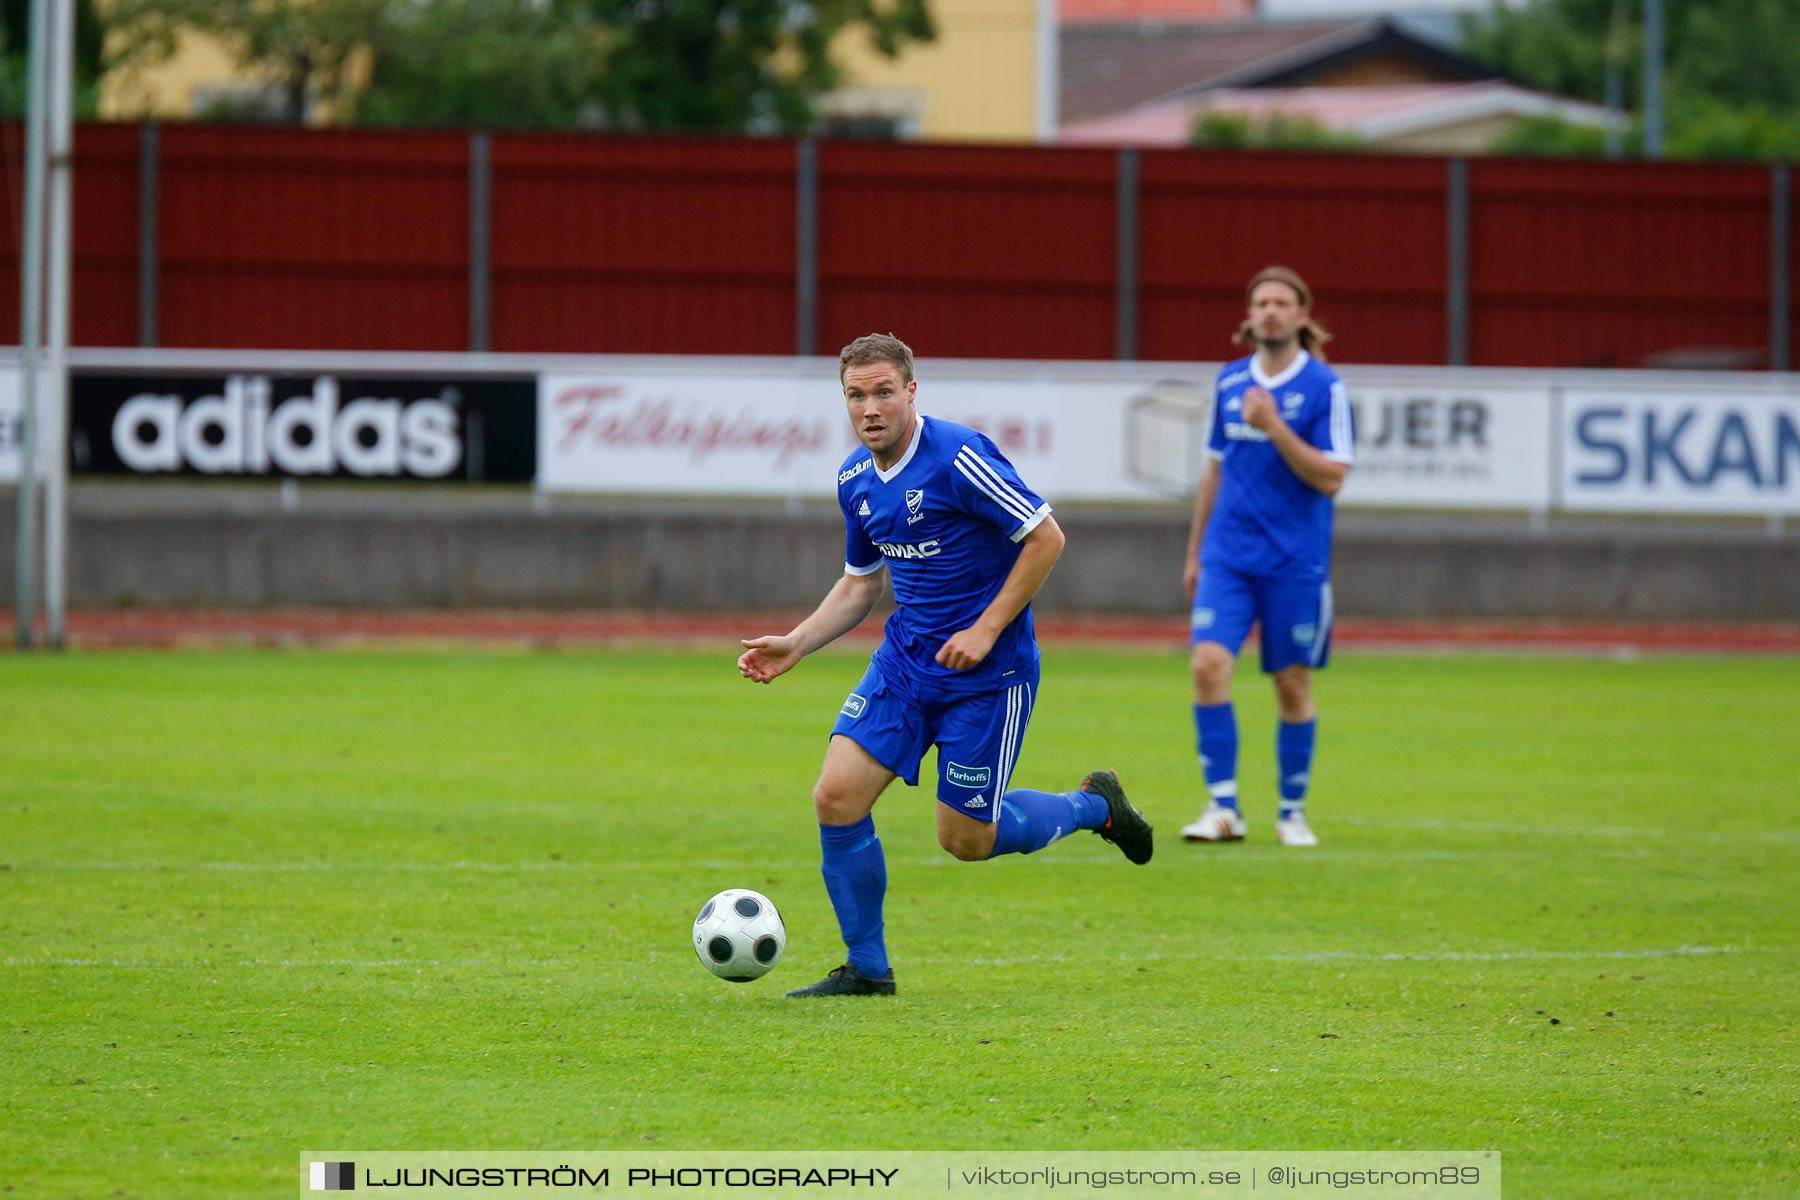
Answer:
(739, 935)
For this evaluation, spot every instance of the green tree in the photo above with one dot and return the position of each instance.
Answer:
(15, 55)
(1552, 137)
(514, 63)
(305, 51)
(1702, 126)
(1731, 73)
(1278, 131)
(1557, 45)
(716, 66)
(751, 66)
(1743, 53)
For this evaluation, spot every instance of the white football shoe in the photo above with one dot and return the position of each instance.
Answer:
(1294, 831)
(1216, 824)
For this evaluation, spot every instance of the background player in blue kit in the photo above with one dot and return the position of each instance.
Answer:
(1259, 549)
(936, 506)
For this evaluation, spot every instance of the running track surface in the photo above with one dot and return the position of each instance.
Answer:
(202, 628)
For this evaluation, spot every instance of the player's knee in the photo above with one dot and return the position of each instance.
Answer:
(967, 845)
(1211, 664)
(1293, 693)
(834, 804)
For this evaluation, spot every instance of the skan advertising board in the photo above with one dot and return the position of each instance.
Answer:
(1681, 451)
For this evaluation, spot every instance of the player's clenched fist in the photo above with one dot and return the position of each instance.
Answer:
(1259, 409)
(966, 648)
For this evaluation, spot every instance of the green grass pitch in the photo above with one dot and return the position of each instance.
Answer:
(255, 902)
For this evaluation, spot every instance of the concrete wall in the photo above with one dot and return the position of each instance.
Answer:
(226, 546)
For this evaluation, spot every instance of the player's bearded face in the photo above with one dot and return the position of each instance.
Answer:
(880, 406)
(1275, 313)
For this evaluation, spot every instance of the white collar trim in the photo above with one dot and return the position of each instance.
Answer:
(918, 436)
(1275, 381)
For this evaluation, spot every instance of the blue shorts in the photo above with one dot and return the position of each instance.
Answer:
(1295, 616)
(978, 735)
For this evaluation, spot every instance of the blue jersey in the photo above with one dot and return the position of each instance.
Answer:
(1268, 521)
(947, 521)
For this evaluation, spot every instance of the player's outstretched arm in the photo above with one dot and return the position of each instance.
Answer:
(1037, 554)
(850, 599)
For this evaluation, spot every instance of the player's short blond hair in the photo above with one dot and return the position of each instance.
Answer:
(1312, 335)
(877, 348)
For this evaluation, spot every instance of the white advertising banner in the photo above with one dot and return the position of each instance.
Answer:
(12, 429)
(1689, 450)
(686, 433)
(1076, 431)
(12, 425)
(785, 434)
(1425, 441)
(1426, 437)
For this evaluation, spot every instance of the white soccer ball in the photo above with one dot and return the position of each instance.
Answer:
(739, 935)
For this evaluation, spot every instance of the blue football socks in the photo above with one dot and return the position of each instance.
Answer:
(1293, 756)
(1216, 725)
(1032, 820)
(855, 872)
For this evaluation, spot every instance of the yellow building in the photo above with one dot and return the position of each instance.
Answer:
(202, 78)
(990, 76)
(200, 73)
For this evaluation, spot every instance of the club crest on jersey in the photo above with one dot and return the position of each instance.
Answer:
(915, 503)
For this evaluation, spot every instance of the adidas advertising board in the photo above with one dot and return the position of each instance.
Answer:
(423, 428)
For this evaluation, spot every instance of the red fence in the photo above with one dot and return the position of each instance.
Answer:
(968, 251)
(1367, 233)
(219, 236)
(295, 239)
(613, 245)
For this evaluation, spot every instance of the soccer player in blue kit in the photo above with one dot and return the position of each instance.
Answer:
(937, 507)
(1259, 548)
